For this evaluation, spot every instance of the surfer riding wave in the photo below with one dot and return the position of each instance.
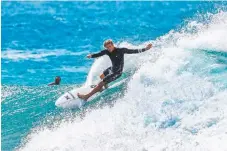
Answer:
(112, 73)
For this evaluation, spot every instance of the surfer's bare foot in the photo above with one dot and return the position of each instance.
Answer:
(83, 97)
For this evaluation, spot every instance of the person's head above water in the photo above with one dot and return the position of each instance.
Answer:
(57, 80)
(108, 44)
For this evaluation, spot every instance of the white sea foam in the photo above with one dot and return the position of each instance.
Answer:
(36, 55)
(73, 69)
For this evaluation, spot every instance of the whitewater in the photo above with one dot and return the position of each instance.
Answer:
(175, 98)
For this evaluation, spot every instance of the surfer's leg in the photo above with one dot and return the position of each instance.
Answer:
(102, 76)
(111, 77)
(106, 72)
(98, 88)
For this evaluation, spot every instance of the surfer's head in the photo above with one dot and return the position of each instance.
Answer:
(57, 80)
(108, 44)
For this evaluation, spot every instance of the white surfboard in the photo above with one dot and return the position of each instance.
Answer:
(71, 100)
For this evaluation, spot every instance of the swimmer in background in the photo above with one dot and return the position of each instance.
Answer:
(56, 81)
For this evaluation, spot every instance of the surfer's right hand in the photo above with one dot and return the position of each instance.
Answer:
(89, 56)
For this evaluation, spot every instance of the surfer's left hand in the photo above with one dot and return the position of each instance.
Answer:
(149, 46)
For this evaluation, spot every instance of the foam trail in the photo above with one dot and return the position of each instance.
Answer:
(168, 105)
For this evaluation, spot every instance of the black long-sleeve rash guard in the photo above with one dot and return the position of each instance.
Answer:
(117, 57)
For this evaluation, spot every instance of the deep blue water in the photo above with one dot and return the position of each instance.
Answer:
(41, 40)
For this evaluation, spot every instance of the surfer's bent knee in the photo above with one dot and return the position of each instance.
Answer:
(102, 76)
(111, 77)
(101, 84)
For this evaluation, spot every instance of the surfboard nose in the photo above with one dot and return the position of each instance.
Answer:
(58, 102)
(70, 98)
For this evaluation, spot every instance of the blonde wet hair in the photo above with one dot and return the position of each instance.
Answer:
(108, 41)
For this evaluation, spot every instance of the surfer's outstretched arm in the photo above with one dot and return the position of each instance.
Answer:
(50, 84)
(132, 51)
(99, 54)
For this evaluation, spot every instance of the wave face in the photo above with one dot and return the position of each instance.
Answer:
(174, 97)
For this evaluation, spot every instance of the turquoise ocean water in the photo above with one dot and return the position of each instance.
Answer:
(172, 97)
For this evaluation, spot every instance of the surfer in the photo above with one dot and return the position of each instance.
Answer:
(116, 56)
(56, 81)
